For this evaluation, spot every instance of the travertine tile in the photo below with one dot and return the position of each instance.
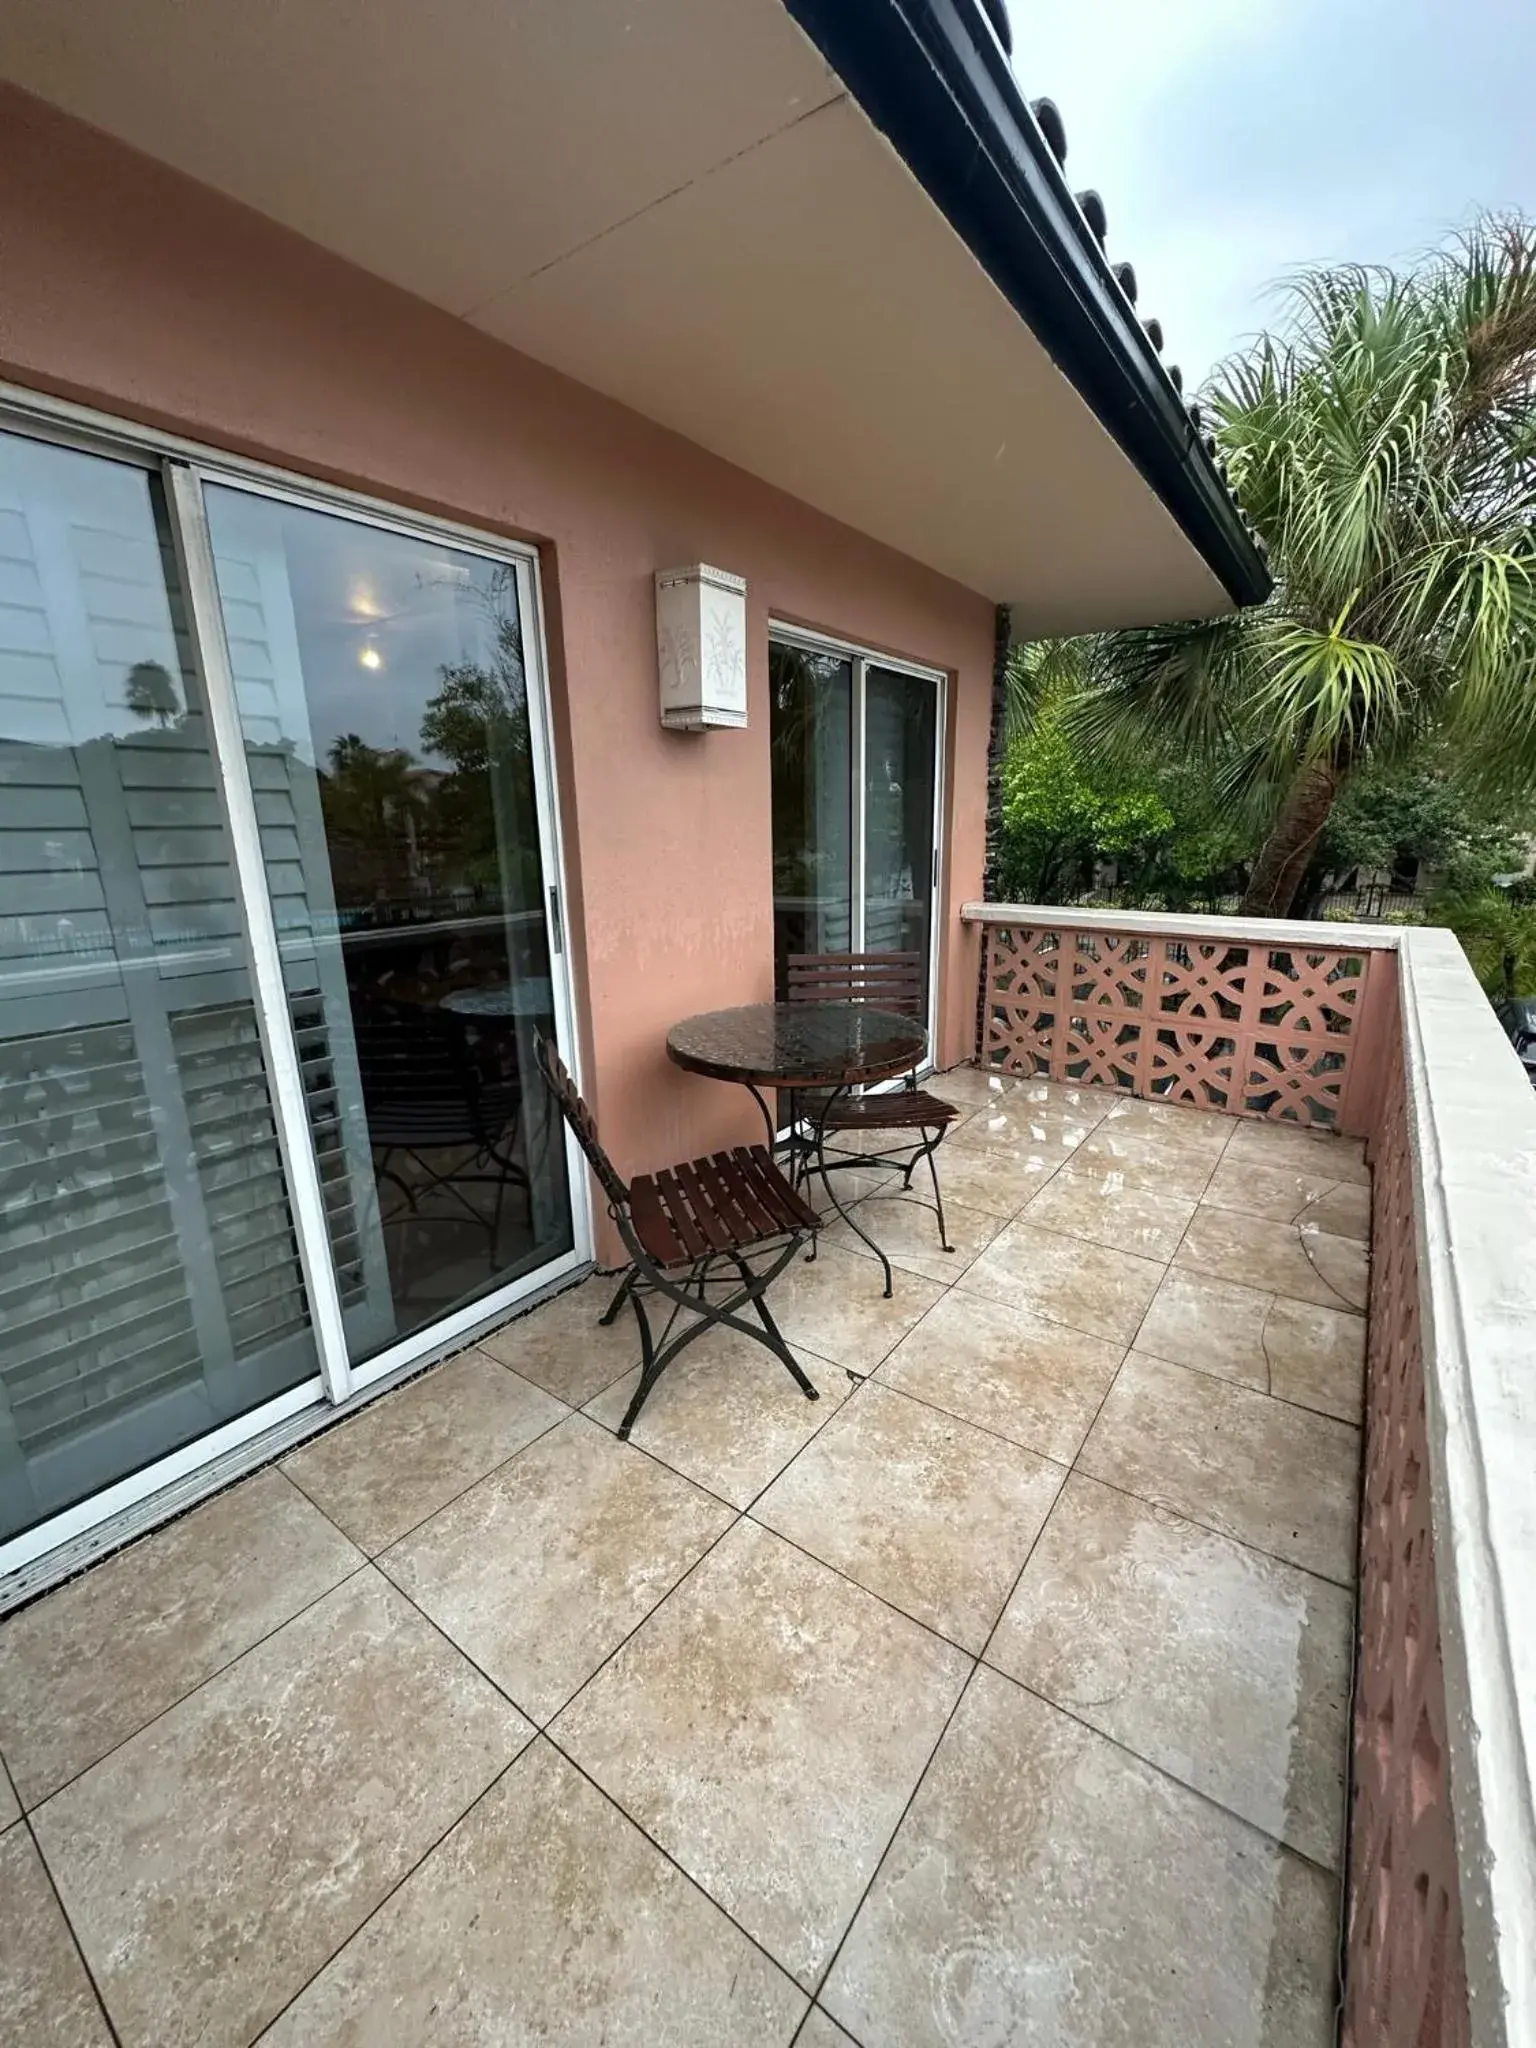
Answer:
(409, 1454)
(970, 1087)
(726, 1413)
(1269, 1256)
(1138, 1155)
(1282, 1193)
(909, 1235)
(834, 1305)
(1106, 1211)
(1256, 1469)
(1294, 1145)
(10, 1805)
(1086, 1286)
(1317, 1358)
(766, 1726)
(1026, 1377)
(930, 1513)
(216, 1860)
(994, 1179)
(853, 1184)
(1342, 1263)
(45, 1995)
(1020, 1125)
(563, 1348)
(1173, 1123)
(543, 1568)
(1047, 1887)
(1221, 1665)
(545, 1916)
(1345, 1211)
(83, 1669)
(1211, 1325)
(822, 2031)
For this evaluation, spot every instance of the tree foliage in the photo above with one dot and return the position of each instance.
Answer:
(1383, 443)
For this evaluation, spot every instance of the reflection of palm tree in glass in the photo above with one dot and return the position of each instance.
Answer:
(150, 694)
(478, 721)
(374, 809)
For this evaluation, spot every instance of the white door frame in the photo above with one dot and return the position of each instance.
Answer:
(862, 659)
(185, 467)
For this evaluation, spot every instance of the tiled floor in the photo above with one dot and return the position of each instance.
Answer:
(999, 1696)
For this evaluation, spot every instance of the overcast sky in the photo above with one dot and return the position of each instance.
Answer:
(1233, 140)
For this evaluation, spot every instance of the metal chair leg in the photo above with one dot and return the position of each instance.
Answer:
(626, 1287)
(776, 1334)
(930, 1147)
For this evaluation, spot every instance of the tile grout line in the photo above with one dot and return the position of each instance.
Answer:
(192, 1690)
(69, 1925)
(1209, 1799)
(1243, 1387)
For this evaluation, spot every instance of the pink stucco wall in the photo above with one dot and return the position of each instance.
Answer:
(129, 287)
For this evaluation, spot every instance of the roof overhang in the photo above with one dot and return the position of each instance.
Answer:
(827, 242)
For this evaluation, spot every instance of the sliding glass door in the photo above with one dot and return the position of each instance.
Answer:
(268, 1113)
(855, 746)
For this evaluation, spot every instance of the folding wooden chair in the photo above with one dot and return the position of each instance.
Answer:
(679, 1225)
(886, 981)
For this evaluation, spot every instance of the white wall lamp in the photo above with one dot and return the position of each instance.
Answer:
(701, 647)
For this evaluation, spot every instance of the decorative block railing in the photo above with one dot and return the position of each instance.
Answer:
(1253, 1027)
(1406, 1971)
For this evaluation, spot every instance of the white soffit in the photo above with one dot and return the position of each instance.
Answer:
(674, 202)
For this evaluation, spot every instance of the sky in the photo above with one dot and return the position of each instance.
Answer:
(1235, 140)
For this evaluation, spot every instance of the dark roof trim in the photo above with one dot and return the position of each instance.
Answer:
(931, 77)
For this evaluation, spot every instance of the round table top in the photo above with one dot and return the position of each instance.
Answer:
(798, 1045)
(529, 998)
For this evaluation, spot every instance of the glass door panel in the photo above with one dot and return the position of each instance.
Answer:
(150, 1284)
(900, 739)
(854, 748)
(383, 702)
(811, 742)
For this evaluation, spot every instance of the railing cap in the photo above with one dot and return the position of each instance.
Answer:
(1164, 924)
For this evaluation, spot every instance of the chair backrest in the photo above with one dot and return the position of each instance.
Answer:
(579, 1117)
(887, 981)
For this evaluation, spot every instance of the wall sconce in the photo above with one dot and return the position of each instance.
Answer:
(701, 647)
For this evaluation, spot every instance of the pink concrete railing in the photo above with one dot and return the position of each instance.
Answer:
(1385, 1035)
(1288, 1027)
(1406, 1978)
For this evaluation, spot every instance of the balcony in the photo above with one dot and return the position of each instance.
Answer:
(1003, 1694)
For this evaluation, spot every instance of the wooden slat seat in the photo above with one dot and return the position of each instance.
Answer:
(899, 1109)
(726, 1203)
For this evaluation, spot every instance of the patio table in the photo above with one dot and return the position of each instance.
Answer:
(798, 1047)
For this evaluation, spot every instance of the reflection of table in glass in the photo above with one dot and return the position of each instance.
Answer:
(529, 1004)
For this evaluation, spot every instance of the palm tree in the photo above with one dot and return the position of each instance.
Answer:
(1384, 446)
(1498, 936)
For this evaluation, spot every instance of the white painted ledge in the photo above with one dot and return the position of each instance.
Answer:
(1161, 924)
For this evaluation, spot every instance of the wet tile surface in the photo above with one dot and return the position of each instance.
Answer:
(766, 1726)
(1271, 1475)
(213, 1863)
(1106, 1211)
(1032, 1380)
(1317, 1358)
(1046, 1886)
(909, 1235)
(1222, 1666)
(1066, 1279)
(1212, 1325)
(1274, 1257)
(282, 1791)
(10, 1805)
(45, 1994)
(539, 1571)
(935, 1516)
(834, 1306)
(85, 1668)
(545, 1916)
(726, 1414)
(409, 1454)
